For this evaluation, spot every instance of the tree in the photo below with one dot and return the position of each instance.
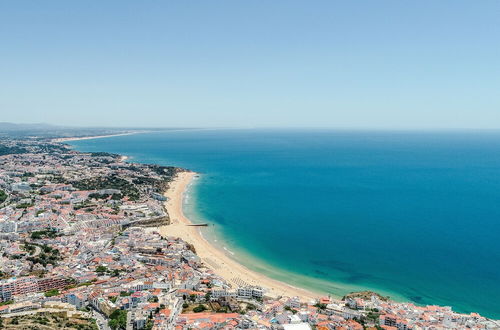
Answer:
(118, 319)
(51, 293)
(320, 306)
(101, 269)
(3, 196)
(200, 308)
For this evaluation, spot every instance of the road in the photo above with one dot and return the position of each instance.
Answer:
(102, 323)
(37, 251)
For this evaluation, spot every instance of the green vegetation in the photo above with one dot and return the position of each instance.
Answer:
(251, 307)
(48, 321)
(200, 308)
(165, 171)
(41, 320)
(373, 316)
(101, 269)
(24, 205)
(86, 283)
(49, 233)
(320, 306)
(149, 324)
(115, 196)
(72, 283)
(103, 154)
(118, 319)
(110, 182)
(3, 196)
(115, 272)
(145, 180)
(100, 196)
(52, 148)
(14, 256)
(3, 275)
(4, 150)
(158, 185)
(51, 293)
(86, 204)
(365, 295)
(125, 293)
(48, 255)
(8, 302)
(58, 179)
(29, 248)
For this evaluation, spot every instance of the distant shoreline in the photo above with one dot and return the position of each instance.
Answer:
(66, 139)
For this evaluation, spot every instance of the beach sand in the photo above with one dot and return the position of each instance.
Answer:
(212, 257)
(60, 140)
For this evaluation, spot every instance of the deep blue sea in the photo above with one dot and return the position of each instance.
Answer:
(413, 215)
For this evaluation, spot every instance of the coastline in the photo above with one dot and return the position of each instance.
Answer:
(212, 257)
(66, 139)
(176, 192)
(91, 137)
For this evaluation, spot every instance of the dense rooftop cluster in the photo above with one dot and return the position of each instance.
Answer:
(79, 248)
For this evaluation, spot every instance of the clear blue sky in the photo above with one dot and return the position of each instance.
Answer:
(378, 64)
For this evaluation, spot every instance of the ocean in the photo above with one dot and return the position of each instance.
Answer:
(411, 215)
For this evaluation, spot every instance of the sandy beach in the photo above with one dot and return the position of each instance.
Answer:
(213, 257)
(60, 140)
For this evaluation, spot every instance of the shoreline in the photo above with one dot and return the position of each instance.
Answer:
(90, 137)
(213, 257)
(66, 139)
(228, 267)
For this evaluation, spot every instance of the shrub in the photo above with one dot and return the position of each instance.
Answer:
(51, 293)
(200, 308)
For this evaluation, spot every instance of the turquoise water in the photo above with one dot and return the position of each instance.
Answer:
(411, 215)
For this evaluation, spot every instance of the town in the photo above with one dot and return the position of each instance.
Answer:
(80, 249)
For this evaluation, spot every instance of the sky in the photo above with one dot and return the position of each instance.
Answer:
(281, 63)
